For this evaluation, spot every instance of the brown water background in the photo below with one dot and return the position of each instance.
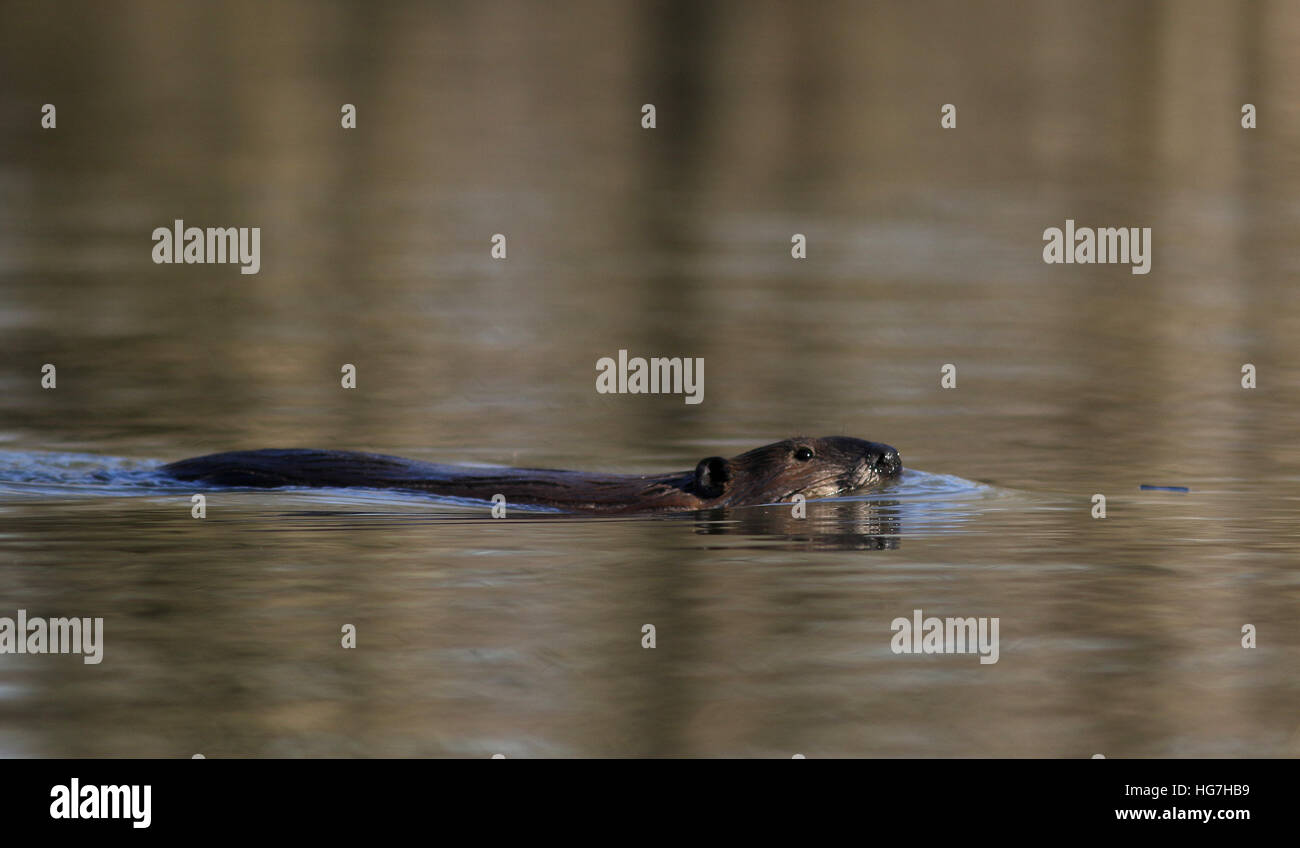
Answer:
(523, 636)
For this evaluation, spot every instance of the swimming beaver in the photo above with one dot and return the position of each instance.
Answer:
(814, 468)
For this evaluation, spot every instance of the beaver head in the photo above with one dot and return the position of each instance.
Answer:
(814, 468)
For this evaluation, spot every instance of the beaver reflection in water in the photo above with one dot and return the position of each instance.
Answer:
(814, 468)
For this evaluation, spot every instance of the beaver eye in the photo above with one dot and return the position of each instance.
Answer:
(803, 454)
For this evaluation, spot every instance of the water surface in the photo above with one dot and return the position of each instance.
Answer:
(523, 635)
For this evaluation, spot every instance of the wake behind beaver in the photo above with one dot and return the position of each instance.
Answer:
(775, 473)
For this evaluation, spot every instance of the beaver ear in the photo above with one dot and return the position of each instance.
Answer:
(711, 476)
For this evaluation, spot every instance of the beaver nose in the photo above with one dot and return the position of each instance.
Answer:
(887, 462)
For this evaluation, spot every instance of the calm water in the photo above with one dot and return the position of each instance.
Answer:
(523, 636)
